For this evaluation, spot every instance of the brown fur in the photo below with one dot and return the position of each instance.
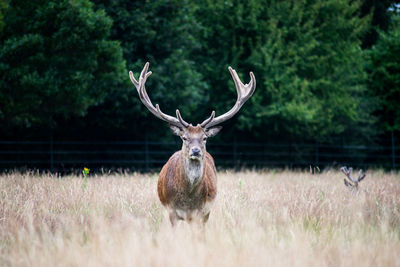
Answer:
(173, 187)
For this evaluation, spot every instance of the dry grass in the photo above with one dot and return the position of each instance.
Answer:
(259, 219)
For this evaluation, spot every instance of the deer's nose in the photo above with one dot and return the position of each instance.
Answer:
(195, 151)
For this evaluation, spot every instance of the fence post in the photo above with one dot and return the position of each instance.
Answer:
(234, 152)
(51, 151)
(146, 151)
(393, 152)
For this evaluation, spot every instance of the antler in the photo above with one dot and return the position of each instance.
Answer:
(353, 181)
(178, 121)
(244, 92)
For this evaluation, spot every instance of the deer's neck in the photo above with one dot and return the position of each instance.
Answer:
(193, 170)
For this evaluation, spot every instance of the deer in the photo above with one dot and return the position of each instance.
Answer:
(187, 183)
(351, 182)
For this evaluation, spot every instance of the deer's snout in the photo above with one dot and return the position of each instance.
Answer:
(195, 152)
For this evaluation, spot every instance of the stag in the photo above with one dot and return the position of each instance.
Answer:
(187, 184)
(352, 182)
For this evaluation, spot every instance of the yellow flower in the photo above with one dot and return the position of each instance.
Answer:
(86, 170)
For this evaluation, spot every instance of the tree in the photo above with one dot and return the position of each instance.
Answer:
(162, 32)
(307, 59)
(380, 21)
(56, 61)
(384, 76)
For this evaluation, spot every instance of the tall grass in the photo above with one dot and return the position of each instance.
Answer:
(259, 219)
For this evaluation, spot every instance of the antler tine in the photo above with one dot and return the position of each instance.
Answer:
(140, 87)
(346, 183)
(361, 176)
(352, 184)
(178, 115)
(244, 92)
(204, 123)
(344, 169)
(348, 173)
(237, 82)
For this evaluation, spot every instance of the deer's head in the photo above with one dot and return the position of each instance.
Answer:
(194, 137)
(352, 182)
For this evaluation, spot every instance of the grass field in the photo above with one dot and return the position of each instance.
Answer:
(259, 219)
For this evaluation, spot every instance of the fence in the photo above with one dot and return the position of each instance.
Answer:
(146, 155)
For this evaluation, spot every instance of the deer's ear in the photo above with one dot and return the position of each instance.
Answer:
(213, 131)
(176, 130)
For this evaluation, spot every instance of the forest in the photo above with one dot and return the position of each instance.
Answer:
(327, 71)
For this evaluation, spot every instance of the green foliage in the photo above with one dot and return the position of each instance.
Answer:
(3, 8)
(230, 31)
(385, 77)
(307, 59)
(61, 60)
(55, 60)
(380, 21)
(163, 33)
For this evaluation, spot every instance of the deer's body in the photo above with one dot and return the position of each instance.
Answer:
(187, 185)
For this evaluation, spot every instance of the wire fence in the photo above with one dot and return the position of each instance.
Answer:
(62, 156)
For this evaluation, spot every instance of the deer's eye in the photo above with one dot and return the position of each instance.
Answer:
(184, 138)
(204, 139)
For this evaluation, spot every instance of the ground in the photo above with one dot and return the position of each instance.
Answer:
(260, 218)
